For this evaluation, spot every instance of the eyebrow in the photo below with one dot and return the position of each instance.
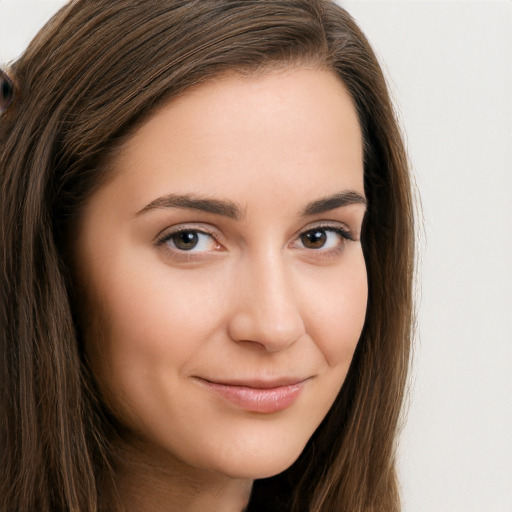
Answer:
(345, 198)
(227, 208)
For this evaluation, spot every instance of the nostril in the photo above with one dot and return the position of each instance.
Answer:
(264, 331)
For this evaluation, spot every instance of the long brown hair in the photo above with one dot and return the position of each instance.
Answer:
(92, 75)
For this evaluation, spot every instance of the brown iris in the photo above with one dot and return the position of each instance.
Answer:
(314, 239)
(185, 240)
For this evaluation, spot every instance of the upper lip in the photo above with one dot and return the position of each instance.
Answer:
(257, 383)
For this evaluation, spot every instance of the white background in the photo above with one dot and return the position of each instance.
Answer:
(449, 68)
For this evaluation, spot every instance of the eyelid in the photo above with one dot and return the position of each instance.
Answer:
(324, 254)
(170, 231)
(184, 257)
(336, 226)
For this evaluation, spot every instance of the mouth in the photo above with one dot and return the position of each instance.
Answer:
(265, 397)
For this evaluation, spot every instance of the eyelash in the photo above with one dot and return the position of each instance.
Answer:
(327, 254)
(183, 254)
(344, 233)
(189, 256)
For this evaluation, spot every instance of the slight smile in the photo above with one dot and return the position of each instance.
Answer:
(264, 397)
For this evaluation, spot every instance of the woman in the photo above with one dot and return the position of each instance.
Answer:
(207, 261)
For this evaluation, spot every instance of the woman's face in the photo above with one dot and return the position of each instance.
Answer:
(223, 273)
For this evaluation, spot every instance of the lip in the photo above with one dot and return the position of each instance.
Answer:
(264, 397)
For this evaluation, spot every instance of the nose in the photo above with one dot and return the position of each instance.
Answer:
(266, 312)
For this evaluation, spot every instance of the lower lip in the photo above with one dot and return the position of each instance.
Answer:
(262, 400)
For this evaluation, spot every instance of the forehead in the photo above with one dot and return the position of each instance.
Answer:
(239, 136)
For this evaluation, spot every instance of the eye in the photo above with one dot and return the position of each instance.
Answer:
(189, 240)
(324, 237)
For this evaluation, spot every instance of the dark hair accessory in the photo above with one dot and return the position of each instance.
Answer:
(6, 91)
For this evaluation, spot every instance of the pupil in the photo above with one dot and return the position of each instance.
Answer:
(314, 239)
(185, 240)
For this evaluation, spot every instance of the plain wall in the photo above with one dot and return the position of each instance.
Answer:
(450, 65)
(449, 68)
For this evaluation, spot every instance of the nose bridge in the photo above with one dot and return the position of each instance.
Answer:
(268, 311)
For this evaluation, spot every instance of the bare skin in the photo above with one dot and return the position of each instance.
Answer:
(226, 286)
(170, 485)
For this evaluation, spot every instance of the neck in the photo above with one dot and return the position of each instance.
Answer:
(161, 483)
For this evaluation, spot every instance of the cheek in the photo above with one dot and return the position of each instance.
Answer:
(144, 329)
(150, 306)
(338, 313)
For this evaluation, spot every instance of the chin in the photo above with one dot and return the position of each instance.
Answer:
(263, 463)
